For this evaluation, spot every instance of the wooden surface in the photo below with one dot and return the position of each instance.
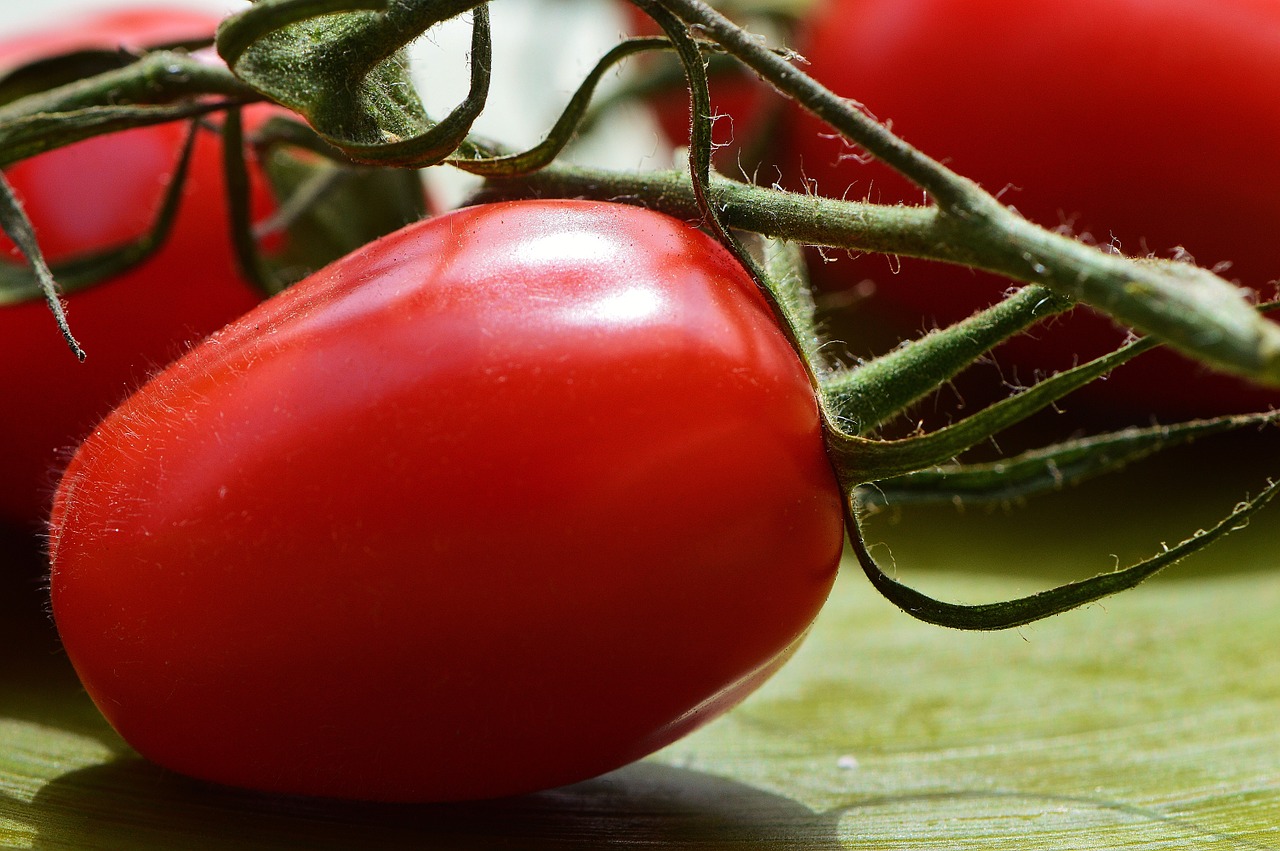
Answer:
(1150, 721)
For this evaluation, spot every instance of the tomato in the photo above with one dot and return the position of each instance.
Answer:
(502, 501)
(92, 195)
(1147, 125)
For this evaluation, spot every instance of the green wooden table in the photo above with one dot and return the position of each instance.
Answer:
(1151, 721)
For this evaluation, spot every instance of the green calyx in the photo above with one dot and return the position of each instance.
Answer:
(340, 64)
(876, 472)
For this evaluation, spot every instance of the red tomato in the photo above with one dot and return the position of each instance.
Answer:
(93, 195)
(1146, 124)
(502, 501)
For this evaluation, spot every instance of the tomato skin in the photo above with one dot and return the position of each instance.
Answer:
(93, 195)
(1145, 123)
(504, 500)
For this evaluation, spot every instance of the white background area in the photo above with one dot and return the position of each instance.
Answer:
(542, 50)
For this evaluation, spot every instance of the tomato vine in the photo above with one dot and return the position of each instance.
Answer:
(339, 66)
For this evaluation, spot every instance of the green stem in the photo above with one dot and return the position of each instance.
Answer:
(484, 162)
(859, 460)
(1199, 313)
(1185, 306)
(159, 88)
(235, 169)
(960, 196)
(16, 225)
(20, 283)
(866, 396)
(239, 32)
(1048, 469)
(1024, 610)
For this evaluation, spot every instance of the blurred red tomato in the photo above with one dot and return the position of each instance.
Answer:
(1148, 125)
(93, 195)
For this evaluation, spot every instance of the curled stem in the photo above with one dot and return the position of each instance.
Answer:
(1024, 610)
(340, 64)
(480, 161)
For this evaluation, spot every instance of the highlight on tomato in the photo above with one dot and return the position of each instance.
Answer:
(1140, 124)
(502, 501)
(91, 196)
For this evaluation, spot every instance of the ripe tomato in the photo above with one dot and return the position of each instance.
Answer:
(502, 501)
(1149, 125)
(89, 196)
